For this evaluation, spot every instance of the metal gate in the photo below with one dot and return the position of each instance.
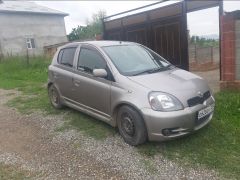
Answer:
(163, 29)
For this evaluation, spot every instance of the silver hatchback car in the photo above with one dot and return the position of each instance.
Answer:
(129, 86)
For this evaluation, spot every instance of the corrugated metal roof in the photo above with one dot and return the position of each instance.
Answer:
(27, 7)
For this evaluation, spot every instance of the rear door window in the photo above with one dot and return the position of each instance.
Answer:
(66, 56)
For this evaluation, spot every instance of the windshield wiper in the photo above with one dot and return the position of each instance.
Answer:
(142, 72)
(149, 71)
(156, 70)
(170, 66)
(164, 68)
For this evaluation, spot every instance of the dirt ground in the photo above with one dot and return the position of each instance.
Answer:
(31, 143)
(26, 143)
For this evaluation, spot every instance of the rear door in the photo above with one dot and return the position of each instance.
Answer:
(63, 74)
(92, 92)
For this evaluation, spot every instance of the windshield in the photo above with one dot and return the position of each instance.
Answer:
(133, 60)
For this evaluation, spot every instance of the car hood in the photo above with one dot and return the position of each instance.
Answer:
(180, 83)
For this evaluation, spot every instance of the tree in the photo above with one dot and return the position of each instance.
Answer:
(197, 38)
(74, 34)
(204, 42)
(93, 27)
(98, 16)
(193, 40)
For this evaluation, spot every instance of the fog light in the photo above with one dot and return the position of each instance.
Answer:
(166, 132)
(172, 131)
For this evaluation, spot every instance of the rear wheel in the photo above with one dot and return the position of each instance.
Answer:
(131, 126)
(54, 97)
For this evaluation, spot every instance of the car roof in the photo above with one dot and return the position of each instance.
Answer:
(99, 43)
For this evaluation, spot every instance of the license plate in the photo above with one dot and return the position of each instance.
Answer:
(206, 111)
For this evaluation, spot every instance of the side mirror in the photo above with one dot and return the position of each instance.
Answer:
(100, 73)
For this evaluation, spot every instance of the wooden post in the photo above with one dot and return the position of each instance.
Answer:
(123, 36)
(212, 54)
(27, 57)
(1, 53)
(103, 30)
(221, 13)
(149, 32)
(185, 35)
(195, 52)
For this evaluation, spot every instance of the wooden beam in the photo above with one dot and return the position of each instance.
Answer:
(220, 15)
(184, 43)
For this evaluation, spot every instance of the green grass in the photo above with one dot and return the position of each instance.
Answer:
(216, 146)
(16, 73)
(8, 172)
(88, 125)
(30, 79)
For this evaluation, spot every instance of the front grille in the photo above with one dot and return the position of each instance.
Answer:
(198, 100)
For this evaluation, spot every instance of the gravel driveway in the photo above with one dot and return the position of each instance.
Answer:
(32, 143)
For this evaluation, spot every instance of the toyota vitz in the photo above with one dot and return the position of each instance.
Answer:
(131, 87)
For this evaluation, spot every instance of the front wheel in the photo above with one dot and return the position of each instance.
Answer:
(131, 126)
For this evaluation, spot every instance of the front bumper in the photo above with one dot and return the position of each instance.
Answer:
(163, 126)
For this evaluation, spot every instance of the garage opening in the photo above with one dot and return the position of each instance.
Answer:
(204, 46)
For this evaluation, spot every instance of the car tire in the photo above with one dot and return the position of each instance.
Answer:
(131, 126)
(54, 97)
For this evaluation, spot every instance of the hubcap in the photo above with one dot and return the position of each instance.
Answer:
(128, 125)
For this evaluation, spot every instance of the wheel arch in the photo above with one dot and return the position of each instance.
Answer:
(49, 84)
(55, 85)
(125, 103)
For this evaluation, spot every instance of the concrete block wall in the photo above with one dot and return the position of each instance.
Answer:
(15, 28)
(203, 58)
(230, 63)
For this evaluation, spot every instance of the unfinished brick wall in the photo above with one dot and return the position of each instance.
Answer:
(230, 52)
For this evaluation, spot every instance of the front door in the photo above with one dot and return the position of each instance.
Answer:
(90, 92)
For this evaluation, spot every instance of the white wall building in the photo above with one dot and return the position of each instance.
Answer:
(26, 27)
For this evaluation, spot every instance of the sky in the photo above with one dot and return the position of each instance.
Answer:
(204, 22)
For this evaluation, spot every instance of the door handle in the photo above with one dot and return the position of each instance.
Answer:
(76, 83)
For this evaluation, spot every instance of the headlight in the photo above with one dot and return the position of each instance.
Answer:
(160, 101)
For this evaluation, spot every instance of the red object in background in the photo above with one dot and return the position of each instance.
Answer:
(98, 37)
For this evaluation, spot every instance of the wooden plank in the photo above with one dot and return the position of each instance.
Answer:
(184, 41)
(136, 19)
(195, 5)
(167, 11)
(113, 24)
